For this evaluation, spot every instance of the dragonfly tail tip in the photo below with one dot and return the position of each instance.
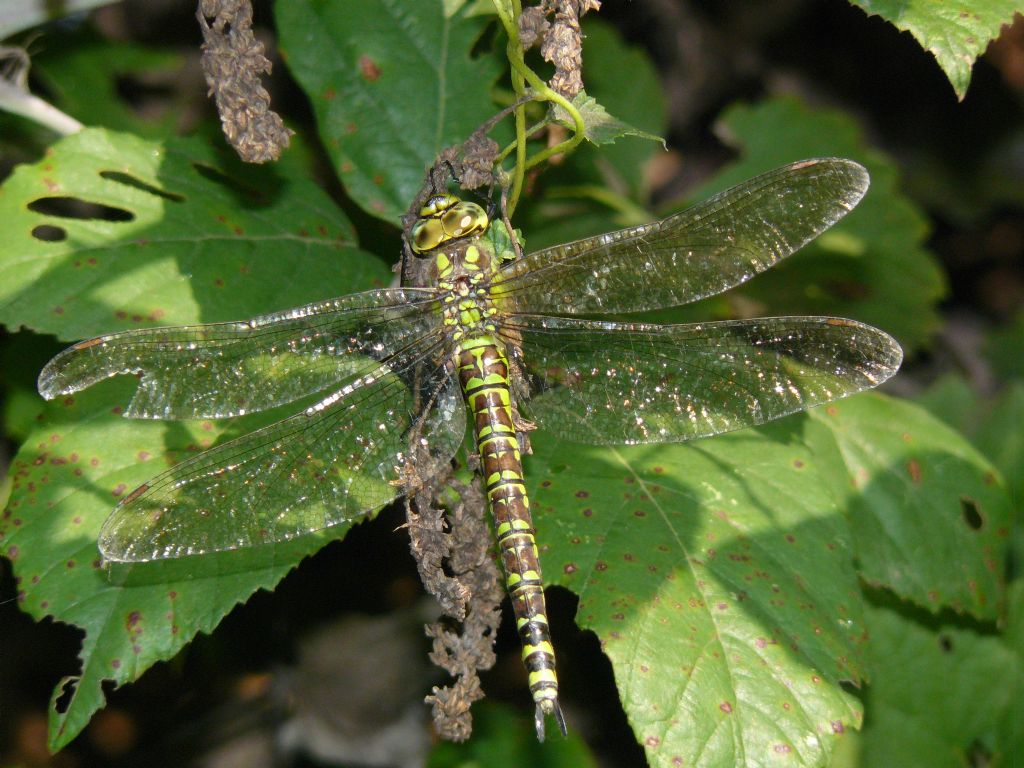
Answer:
(554, 709)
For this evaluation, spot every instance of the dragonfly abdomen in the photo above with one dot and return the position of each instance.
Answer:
(484, 374)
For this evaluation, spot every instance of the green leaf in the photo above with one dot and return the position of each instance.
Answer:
(179, 236)
(78, 461)
(190, 239)
(1003, 349)
(955, 32)
(391, 84)
(930, 516)
(872, 266)
(952, 399)
(1001, 439)
(939, 694)
(718, 576)
(994, 429)
(1009, 733)
(625, 80)
(83, 74)
(602, 128)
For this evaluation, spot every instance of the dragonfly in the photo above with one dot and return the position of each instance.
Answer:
(510, 341)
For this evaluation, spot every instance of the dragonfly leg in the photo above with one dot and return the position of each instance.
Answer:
(523, 429)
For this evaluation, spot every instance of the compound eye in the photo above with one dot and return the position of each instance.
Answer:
(427, 234)
(446, 217)
(464, 219)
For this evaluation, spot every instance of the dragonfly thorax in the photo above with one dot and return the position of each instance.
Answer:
(463, 279)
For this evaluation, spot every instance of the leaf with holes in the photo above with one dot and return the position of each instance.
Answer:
(941, 693)
(1000, 438)
(930, 516)
(718, 576)
(955, 32)
(110, 232)
(388, 83)
(87, 77)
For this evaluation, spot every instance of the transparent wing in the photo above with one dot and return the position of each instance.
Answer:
(700, 252)
(227, 369)
(612, 383)
(332, 463)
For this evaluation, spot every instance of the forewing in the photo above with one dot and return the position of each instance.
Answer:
(226, 369)
(702, 251)
(334, 462)
(606, 383)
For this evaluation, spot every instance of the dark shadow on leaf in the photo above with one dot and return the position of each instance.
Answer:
(131, 181)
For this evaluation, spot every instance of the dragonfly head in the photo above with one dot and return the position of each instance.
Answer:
(444, 218)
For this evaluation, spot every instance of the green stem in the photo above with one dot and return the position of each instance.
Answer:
(521, 76)
(517, 60)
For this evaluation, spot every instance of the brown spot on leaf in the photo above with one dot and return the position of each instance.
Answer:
(369, 69)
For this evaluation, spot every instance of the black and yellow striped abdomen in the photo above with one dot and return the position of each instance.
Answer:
(484, 374)
(451, 229)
